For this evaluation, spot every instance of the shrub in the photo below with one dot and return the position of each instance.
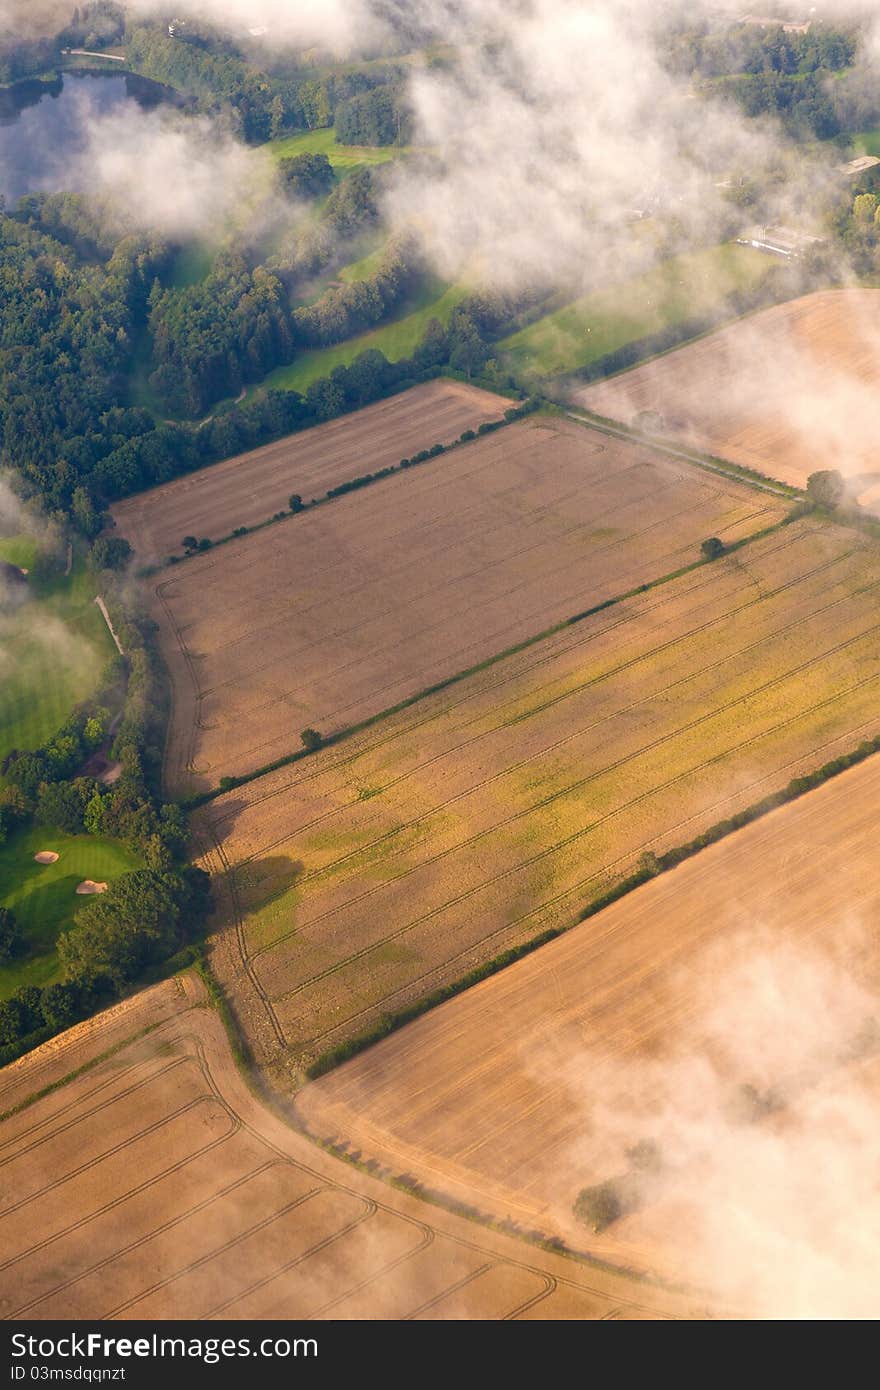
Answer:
(712, 548)
(311, 740)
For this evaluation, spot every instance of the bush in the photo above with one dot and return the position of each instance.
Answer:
(311, 740)
(712, 548)
(11, 938)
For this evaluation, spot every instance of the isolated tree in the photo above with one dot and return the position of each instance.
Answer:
(11, 938)
(598, 1207)
(295, 502)
(712, 548)
(826, 488)
(311, 739)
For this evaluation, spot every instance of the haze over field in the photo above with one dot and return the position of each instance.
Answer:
(555, 151)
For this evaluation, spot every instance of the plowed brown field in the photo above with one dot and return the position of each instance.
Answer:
(344, 611)
(150, 1184)
(786, 392)
(378, 870)
(527, 1087)
(251, 487)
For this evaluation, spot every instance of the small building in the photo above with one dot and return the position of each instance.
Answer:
(856, 167)
(780, 241)
(790, 26)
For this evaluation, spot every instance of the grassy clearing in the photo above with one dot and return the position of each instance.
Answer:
(868, 142)
(344, 158)
(684, 287)
(396, 339)
(54, 649)
(43, 896)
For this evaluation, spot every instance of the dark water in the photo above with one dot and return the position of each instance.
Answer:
(44, 126)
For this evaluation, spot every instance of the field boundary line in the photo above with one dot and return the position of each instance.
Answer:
(665, 862)
(734, 472)
(340, 735)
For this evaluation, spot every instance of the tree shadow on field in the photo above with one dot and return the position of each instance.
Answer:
(260, 882)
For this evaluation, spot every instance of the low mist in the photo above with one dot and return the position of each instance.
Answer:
(761, 1118)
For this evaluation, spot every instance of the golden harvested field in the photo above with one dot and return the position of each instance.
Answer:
(380, 869)
(151, 1184)
(787, 391)
(250, 488)
(757, 963)
(344, 611)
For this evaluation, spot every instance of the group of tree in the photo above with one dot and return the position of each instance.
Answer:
(711, 50)
(211, 338)
(144, 916)
(72, 293)
(379, 117)
(217, 76)
(345, 310)
(306, 176)
(141, 920)
(858, 227)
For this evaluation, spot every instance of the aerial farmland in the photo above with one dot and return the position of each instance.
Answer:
(387, 867)
(786, 392)
(666, 1017)
(381, 594)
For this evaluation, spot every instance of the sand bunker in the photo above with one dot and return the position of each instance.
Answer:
(89, 885)
(46, 856)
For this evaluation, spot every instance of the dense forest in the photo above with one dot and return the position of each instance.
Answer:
(766, 69)
(264, 106)
(77, 296)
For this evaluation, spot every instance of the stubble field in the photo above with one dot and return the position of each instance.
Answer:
(786, 392)
(379, 870)
(755, 964)
(150, 1184)
(347, 610)
(251, 487)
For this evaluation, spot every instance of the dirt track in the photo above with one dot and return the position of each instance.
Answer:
(344, 611)
(787, 391)
(153, 1185)
(251, 487)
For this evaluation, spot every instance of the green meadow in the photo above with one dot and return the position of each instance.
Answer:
(55, 646)
(868, 142)
(682, 288)
(396, 339)
(344, 158)
(44, 898)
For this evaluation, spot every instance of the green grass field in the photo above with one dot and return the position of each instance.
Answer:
(396, 339)
(44, 898)
(671, 292)
(343, 157)
(53, 650)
